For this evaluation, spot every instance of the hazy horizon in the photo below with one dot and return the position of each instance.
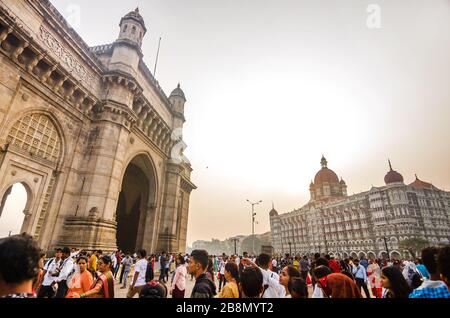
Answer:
(273, 85)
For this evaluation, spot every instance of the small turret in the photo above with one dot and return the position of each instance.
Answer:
(178, 100)
(127, 48)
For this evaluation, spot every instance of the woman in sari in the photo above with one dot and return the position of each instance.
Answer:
(338, 285)
(82, 280)
(374, 273)
(104, 286)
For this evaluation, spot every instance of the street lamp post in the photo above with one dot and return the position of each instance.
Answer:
(253, 222)
(235, 241)
(387, 250)
(290, 249)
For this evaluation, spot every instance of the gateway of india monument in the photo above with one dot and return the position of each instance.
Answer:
(90, 135)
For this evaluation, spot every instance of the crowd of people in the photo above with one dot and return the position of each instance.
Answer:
(26, 272)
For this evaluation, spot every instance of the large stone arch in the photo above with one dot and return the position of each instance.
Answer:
(136, 213)
(35, 148)
(30, 199)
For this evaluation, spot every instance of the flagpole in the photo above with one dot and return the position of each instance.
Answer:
(157, 57)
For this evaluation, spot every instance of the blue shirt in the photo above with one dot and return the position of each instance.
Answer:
(360, 272)
(423, 270)
(431, 289)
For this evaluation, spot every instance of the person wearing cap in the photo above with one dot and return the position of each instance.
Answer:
(67, 269)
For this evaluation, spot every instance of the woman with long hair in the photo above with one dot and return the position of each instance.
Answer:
(231, 289)
(394, 283)
(82, 280)
(178, 287)
(210, 269)
(104, 286)
(287, 274)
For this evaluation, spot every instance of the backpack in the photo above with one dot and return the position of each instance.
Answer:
(414, 278)
(149, 275)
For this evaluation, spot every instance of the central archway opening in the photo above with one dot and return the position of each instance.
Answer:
(135, 199)
(12, 206)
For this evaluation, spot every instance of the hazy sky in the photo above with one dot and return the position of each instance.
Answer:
(273, 85)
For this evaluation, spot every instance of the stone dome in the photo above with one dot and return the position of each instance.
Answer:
(178, 92)
(135, 15)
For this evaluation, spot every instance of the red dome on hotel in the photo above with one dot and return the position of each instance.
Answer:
(419, 184)
(393, 176)
(325, 175)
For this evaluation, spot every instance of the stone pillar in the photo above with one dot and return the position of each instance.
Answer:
(167, 238)
(95, 227)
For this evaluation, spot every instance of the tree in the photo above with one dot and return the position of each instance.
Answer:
(414, 245)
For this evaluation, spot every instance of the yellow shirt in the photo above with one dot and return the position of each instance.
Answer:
(230, 290)
(93, 263)
(296, 264)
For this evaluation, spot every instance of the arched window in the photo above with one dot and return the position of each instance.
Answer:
(37, 135)
(133, 30)
(125, 28)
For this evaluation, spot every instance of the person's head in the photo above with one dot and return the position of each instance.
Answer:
(104, 264)
(99, 253)
(65, 252)
(316, 256)
(251, 282)
(356, 262)
(321, 261)
(163, 253)
(321, 271)
(287, 274)
(443, 262)
(198, 262)
(327, 257)
(392, 279)
(231, 271)
(429, 259)
(58, 253)
(153, 290)
(41, 260)
(298, 288)
(210, 266)
(264, 260)
(245, 255)
(180, 260)
(142, 253)
(19, 260)
(82, 262)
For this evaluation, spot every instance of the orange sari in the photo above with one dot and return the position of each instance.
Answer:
(80, 283)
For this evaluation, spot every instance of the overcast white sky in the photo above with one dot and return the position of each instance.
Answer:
(273, 85)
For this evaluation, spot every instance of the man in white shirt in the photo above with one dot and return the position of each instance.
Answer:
(271, 280)
(113, 261)
(139, 274)
(274, 265)
(67, 269)
(50, 269)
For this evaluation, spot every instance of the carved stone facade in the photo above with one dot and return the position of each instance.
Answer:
(365, 223)
(90, 134)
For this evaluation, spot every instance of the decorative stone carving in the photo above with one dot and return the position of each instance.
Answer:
(75, 67)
